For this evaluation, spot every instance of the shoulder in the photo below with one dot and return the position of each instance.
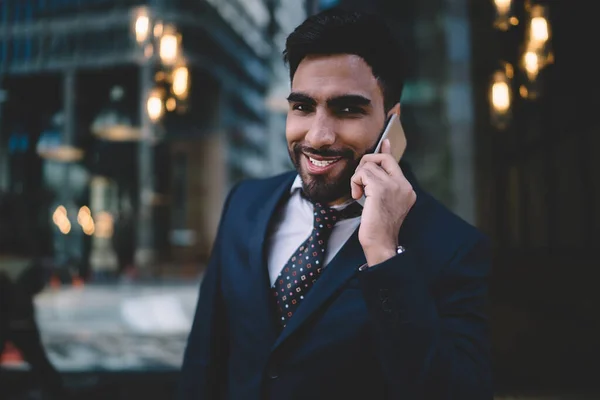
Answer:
(261, 187)
(250, 194)
(440, 235)
(431, 221)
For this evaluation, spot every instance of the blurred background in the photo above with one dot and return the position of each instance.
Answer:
(123, 124)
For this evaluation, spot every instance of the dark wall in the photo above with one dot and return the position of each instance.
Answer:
(538, 199)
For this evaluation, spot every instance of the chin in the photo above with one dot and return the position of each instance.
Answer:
(320, 189)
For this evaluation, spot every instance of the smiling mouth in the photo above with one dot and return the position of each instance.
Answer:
(322, 163)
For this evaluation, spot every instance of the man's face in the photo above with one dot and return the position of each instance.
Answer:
(336, 113)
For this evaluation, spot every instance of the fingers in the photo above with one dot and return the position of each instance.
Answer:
(385, 159)
(367, 177)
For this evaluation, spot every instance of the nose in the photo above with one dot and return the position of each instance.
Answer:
(321, 132)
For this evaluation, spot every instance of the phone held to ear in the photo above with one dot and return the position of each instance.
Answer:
(395, 133)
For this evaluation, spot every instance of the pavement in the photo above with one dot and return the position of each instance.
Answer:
(104, 336)
(126, 340)
(117, 327)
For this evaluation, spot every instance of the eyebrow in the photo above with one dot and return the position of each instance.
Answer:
(297, 97)
(353, 100)
(333, 102)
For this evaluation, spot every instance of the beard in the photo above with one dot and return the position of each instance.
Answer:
(325, 188)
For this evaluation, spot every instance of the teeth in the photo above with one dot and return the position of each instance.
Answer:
(320, 163)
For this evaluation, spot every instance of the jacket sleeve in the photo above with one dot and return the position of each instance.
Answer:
(205, 357)
(433, 338)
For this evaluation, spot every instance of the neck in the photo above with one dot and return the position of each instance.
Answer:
(340, 201)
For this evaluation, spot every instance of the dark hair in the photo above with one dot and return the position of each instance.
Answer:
(341, 31)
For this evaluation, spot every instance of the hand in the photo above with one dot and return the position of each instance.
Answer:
(389, 198)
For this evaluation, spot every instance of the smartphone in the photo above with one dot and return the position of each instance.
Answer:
(393, 131)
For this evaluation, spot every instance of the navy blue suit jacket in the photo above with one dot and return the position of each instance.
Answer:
(413, 327)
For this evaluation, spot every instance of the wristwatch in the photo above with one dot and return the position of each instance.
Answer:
(399, 250)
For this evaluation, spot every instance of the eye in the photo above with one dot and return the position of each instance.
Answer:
(350, 110)
(305, 108)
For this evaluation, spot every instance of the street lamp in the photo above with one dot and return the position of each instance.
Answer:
(500, 99)
(154, 106)
(53, 146)
(538, 28)
(180, 82)
(503, 14)
(537, 52)
(114, 123)
(142, 26)
(160, 44)
(531, 63)
(169, 45)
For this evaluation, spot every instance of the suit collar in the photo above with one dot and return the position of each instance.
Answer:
(259, 271)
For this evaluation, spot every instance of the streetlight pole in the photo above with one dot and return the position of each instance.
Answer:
(145, 254)
(4, 172)
(160, 45)
(4, 178)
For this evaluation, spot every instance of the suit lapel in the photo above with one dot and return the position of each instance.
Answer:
(341, 268)
(259, 271)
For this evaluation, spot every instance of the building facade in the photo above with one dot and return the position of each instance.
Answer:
(127, 122)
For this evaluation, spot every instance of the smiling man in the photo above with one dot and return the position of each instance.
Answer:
(308, 294)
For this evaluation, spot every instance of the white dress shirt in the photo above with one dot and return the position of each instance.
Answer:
(293, 227)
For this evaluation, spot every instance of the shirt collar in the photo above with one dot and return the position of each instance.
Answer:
(297, 185)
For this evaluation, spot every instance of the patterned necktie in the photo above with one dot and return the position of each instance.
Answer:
(306, 264)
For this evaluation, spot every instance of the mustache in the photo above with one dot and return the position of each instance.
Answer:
(327, 152)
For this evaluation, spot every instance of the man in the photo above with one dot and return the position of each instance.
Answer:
(305, 299)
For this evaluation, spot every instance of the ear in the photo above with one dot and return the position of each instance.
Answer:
(394, 110)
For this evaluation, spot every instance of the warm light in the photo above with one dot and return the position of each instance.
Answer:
(65, 228)
(514, 21)
(539, 30)
(169, 48)
(171, 104)
(523, 91)
(503, 11)
(532, 65)
(503, 6)
(142, 27)
(89, 229)
(60, 212)
(118, 133)
(180, 82)
(154, 106)
(61, 153)
(84, 211)
(61, 220)
(501, 97)
(85, 220)
(158, 30)
(509, 70)
(160, 76)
